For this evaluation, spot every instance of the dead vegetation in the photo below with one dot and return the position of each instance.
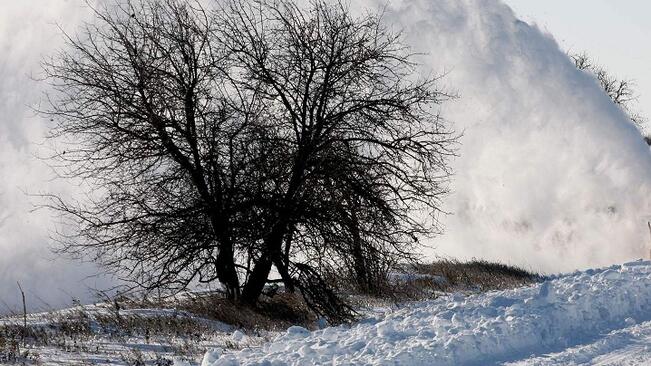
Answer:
(476, 275)
(274, 312)
(181, 327)
(93, 330)
(428, 281)
(279, 310)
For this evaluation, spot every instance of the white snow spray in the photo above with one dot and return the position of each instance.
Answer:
(29, 31)
(550, 174)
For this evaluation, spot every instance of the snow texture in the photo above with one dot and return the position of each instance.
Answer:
(497, 327)
(628, 346)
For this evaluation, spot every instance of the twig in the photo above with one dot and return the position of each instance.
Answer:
(22, 293)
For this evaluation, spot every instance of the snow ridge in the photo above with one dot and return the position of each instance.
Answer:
(497, 326)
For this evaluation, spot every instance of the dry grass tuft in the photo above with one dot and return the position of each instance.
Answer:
(477, 275)
(426, 281)
(272, 313)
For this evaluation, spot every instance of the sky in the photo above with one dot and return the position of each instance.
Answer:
(550, 175)
(614, 33)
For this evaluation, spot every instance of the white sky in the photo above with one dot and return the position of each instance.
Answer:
(614, 33)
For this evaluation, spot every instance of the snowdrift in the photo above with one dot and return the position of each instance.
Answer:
(479, 329)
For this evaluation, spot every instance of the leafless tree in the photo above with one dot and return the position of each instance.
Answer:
(140, 98)
(621, 92)
(223, 143)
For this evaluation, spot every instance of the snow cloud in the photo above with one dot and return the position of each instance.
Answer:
(550, 174)
(29, 31)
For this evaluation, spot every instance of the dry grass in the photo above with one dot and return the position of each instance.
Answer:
(418, 282)
(473, 276)
(276, 312)
(427, 281)
(78, 331)
(272, 313)
(478, 275)
(122, 328)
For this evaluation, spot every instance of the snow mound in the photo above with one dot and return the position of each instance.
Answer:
(493, 327)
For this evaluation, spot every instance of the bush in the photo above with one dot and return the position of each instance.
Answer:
(276, 312)
(477, 275)
(422, 281)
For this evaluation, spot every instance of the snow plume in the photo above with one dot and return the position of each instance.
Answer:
(550, 174)
(28, 31)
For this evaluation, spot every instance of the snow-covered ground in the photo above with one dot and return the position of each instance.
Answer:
(591, 317)
(90, 335)
(627, 346)
(594, 317)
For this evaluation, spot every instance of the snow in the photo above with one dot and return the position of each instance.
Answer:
(556, 322)
(150, 336)
(551, 175)
(627, 346)
(598, 316)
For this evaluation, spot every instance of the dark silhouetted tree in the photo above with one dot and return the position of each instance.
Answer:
(224, 143)
(621, 92)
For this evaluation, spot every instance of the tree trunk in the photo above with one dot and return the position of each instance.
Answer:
(260, 274)
(283, 270)
(258, 278)
(226, 271)
(225, 261)
(273, 253)
(360, 265)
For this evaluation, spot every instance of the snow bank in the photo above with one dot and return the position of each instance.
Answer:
(494, 327)
(627, 346)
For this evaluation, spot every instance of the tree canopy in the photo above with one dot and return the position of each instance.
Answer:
(257, 135)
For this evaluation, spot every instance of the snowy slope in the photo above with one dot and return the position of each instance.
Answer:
(628, 346)
(90, 335)
(585, 317)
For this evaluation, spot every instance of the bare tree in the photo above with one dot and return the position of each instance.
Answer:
(621, 92)
(260, 134)
(141, 101)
